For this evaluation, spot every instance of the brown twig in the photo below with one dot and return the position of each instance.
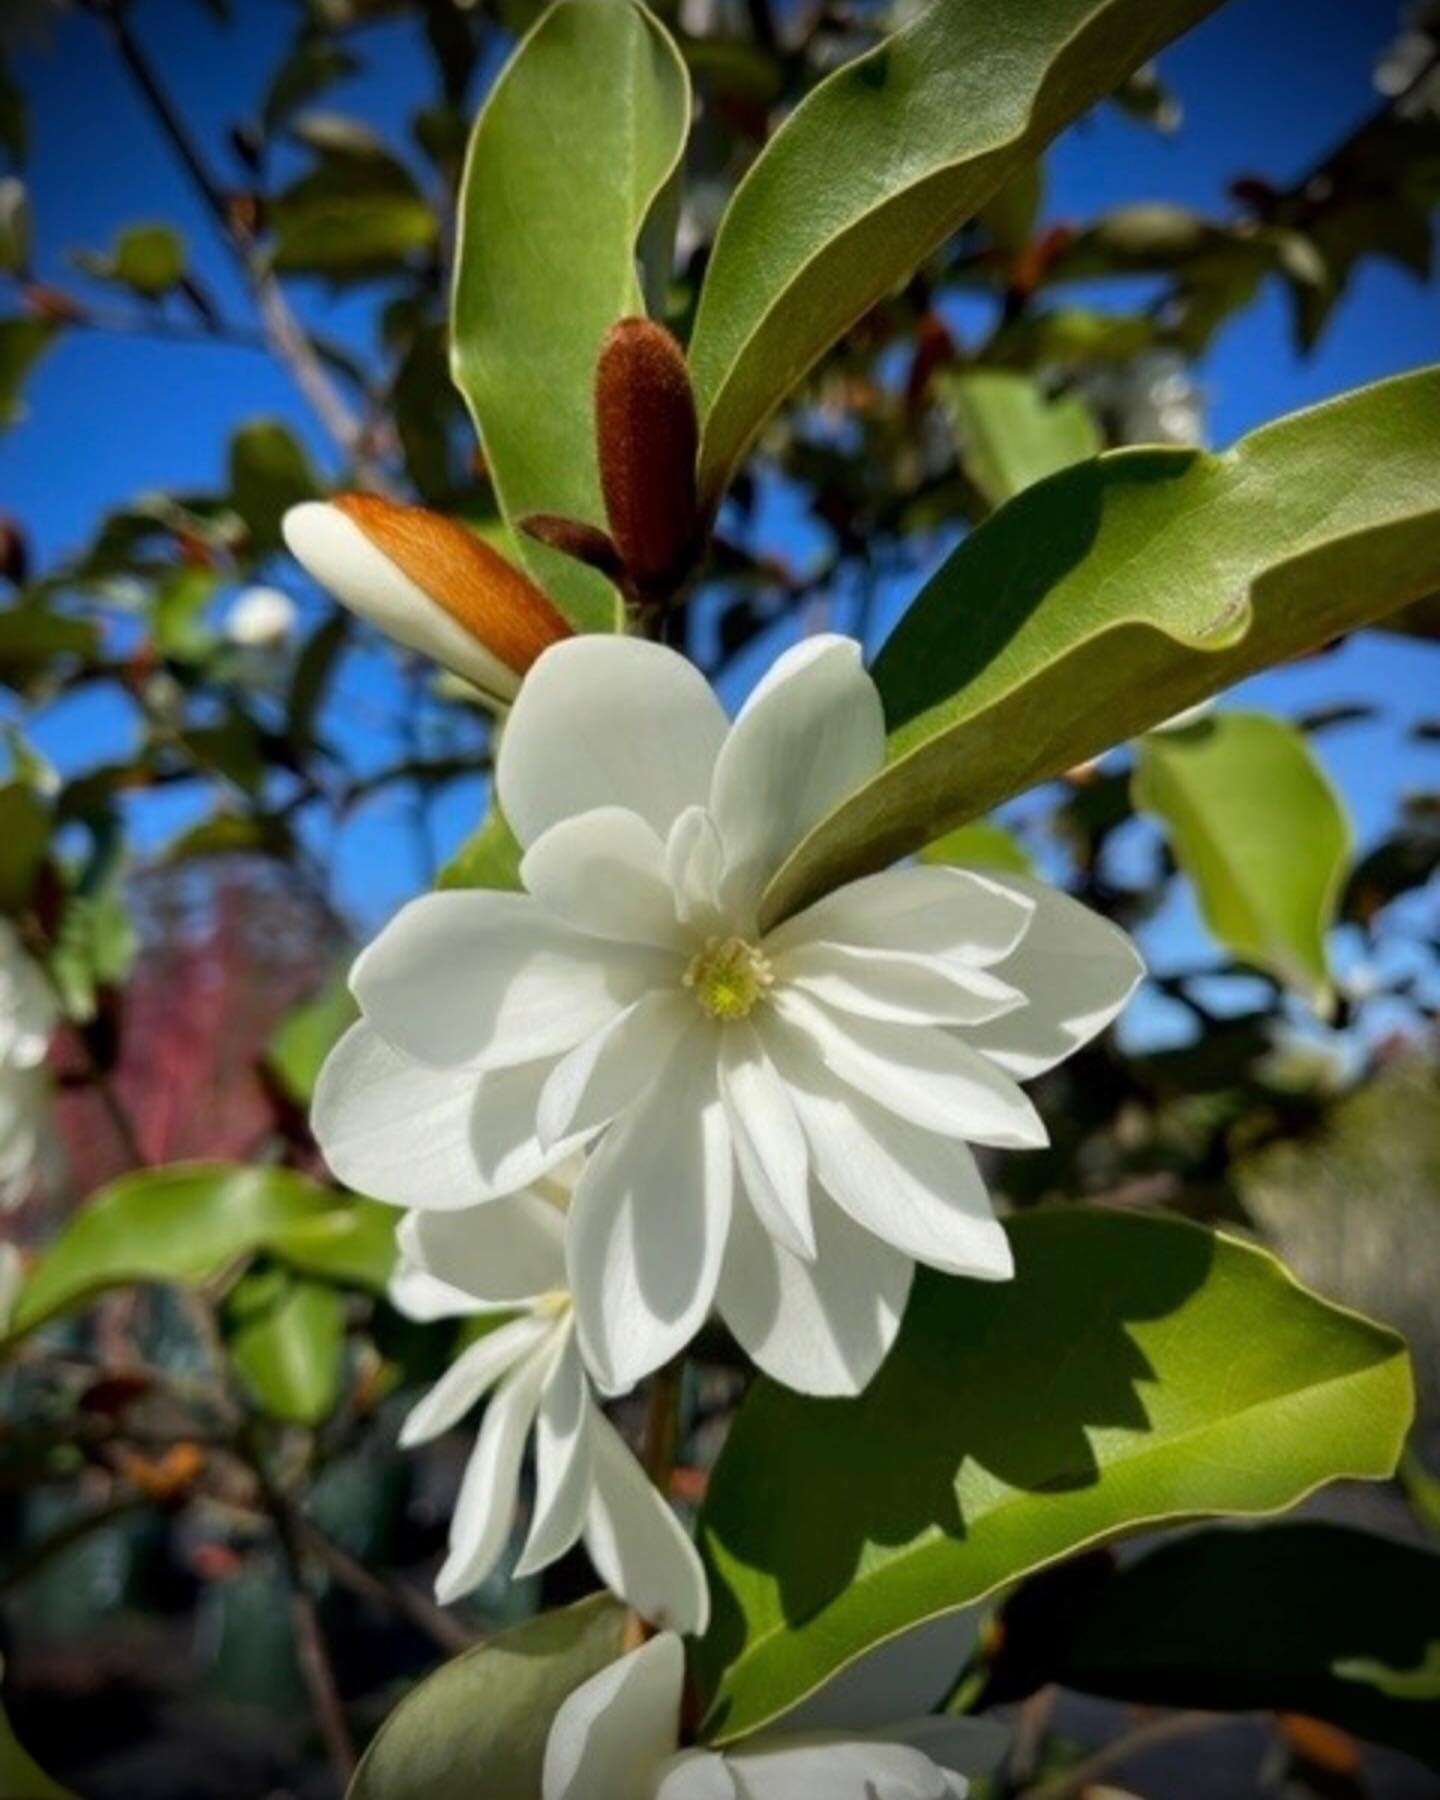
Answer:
(395, 1594)
(1162, 1730)
(662, 1441)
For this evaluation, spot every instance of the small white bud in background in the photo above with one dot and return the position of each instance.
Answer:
(261, 618)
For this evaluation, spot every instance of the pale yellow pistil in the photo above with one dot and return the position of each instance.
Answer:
(728, 976)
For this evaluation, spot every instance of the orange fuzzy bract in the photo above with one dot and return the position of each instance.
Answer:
(489, 596)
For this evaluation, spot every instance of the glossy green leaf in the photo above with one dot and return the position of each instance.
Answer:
(982, 844)
(877, 167)
(22, 343)
(356, 213)
(1137, 1369)
(489, 858)
(1308, 1618)
(533, 299)
(1110, 597)
(1256, 825)
(286, 1338)
(305, 1037)
(25, 834)
(189, 1221)
(478, 1725)
(269, 471)
(1011, 433)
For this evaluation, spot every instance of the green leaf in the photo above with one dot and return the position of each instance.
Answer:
(982, 844)
(95, 948)
(532, 304)
(25, 834)
(306, 1035)
(187, 1222)
(876, 168)
(489, 858)
(1256, 825)
(14, 225)
(147, 259)
(21, 1777)
(1309, 1618)
(177, 612)
(1137, 1369)
(22, 343)
(287, 1340)
(269, 471)
(312, 66)
(31, 638)
(1110, 597)
(1011, 433)
(355, 214)
(14, 117)
(478, 1725)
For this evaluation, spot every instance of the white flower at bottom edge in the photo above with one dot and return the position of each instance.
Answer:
(28, 1010)
(508, 1256)
(780, 1119)
(28, 1146)
(617, 1736)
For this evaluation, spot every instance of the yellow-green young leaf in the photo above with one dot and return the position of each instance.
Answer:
(478, 1725)
(1339, 1624)
(188, 1222)
(1011, 433)
(877, 167)
(982, 844)
(286, 1339)
(1256, 825)
(306, 1036)
(1137, 1369)
(577, 141)
(489, 858)
(1111, 596)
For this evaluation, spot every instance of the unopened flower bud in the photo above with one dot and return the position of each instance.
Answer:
(430, 584)
(647, 438)
(260, 618)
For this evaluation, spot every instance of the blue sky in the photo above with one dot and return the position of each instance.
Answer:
(1265, 88)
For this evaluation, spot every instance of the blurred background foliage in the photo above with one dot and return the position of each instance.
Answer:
(217, 784)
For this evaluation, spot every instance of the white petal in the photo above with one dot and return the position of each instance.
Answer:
(694, 867)
(769, 1144)
(485, 1508)
(1077, 970)
(424, 1297)
(604, 873)
(506, 1251)
(917, 1191)
(925, 911)
(614, 1066)
(470, 1377)
(611, 1736)
(491, 980)
(640, 1549)
(564, 1460)
(608, 721)
(925, 1076)
(393, 1128)
(894, 986)
(808, 736)
(508, 1149)
(333, 548)
(648, 1222)
(836, 1769)
(696, 1775)
(820, 1327)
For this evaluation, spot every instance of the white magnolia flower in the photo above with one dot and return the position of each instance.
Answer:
(508, 1256)
(780, 1120)
(28, 1016)
(12, 1279)
(261, 618)
(617, 1736)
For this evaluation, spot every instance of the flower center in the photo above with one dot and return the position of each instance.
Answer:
(728, 976)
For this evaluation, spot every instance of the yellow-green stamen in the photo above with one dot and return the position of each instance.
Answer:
(728, 976)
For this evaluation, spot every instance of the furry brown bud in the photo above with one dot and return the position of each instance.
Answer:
(648, 435)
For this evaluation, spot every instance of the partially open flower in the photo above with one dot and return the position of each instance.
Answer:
(429, 583)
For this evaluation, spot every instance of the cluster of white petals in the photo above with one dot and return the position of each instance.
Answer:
(777, 1121)
(617, 1737)
(28, 1017)
(507, 1258)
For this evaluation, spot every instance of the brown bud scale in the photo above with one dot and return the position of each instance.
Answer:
(647, 437)
(495, 602)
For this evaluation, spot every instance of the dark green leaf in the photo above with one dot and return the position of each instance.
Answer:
(1306, 1618)
(269, 471)
(312, 66)
(1117, 593)
(21, 1777)
(1137, 1369)
(25, 837)
(479, 1724)
(22, 343)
